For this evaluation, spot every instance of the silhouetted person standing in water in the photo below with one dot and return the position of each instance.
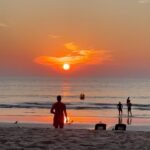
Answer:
(128, 100)
(129, 105)
(59, 110)
(120, 106)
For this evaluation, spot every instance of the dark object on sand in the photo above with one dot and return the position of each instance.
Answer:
(100, 126)
(120, 127)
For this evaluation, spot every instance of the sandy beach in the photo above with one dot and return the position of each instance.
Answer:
(30, 137)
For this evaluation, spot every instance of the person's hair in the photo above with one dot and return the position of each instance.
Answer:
(59, 98)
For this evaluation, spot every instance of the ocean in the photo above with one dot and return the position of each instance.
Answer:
(34, 96)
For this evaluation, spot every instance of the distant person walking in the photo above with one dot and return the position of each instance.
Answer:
(120, 106)
(59, 110)
(129, 105)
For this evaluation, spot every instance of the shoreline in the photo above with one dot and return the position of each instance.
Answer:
(137, 127)
(133, 123)
(77, 120)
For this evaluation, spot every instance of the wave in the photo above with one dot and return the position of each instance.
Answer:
(76, 106)
(72, 96)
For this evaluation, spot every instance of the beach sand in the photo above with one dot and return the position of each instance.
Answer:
(16, 137)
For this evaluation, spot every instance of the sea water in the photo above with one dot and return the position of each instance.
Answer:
(34, 96)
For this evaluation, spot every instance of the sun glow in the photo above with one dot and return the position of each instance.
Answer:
(66, 66)
(74, 57)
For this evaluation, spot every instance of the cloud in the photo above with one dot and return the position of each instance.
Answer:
(54, 36)
(3, 25)
(71, 46)
(143, 1)
(76, 56)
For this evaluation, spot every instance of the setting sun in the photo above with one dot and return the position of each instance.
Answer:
(66, 66)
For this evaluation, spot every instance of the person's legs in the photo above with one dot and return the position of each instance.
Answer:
(61, 125)
(55, 122)
(56, 126)
(61, 122)
(130, 112)
(120, 112)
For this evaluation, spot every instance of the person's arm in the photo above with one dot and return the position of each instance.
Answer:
(65, 112)
(52, 110)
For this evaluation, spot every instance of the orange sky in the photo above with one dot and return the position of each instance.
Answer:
(98, 38)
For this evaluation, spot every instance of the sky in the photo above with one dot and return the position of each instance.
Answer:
(96, 37)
